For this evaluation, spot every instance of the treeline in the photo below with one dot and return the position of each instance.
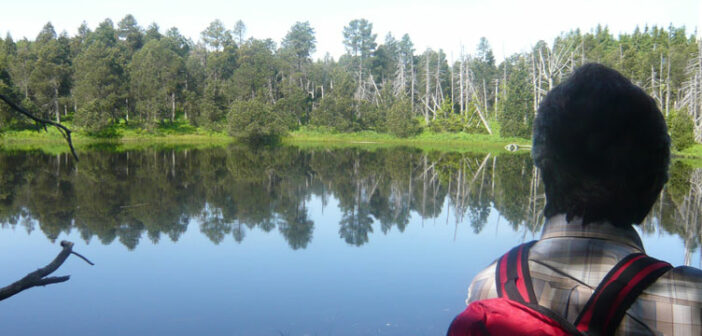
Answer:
(255, 88)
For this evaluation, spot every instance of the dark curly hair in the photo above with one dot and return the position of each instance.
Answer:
(602, 146)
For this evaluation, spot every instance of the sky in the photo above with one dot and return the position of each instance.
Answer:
(452, 25)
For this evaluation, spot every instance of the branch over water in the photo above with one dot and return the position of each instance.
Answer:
(65, 132)
(40, 277)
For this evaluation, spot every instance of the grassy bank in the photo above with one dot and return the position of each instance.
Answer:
(426, 140)
(120, 136)
(181, 134)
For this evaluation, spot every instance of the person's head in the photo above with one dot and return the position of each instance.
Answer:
(602, 146)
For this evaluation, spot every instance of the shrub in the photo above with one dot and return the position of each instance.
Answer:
(334, 112)
(400, 121)
(455, 123)
(254, 121)
(93, 117)
(681, 128)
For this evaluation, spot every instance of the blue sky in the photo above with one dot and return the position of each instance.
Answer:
(510, 26)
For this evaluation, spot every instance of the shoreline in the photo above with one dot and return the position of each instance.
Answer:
(52, 142)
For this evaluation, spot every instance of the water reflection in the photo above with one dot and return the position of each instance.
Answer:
(126, 196)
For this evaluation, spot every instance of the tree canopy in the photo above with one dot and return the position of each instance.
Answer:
(146, 76)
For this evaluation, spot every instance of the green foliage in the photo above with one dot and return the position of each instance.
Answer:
(216, 36)
(130, 33)
(156, 74)
(334, 112)
(6, 113)
(294, 102)
(127, 73)
(257, 69)
(49, 78)
(300, 42)
(446, 108)
(400, 121)
(454, 123)
(681, 128)
(92, 116)
(517, 117)
(100, 81)
(359, 38)
(254, 121)
(211, 107)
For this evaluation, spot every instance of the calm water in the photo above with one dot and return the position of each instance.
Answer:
(283, 241)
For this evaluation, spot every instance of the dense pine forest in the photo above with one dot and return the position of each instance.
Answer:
(253, 89)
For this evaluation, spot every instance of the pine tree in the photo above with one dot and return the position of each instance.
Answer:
(517, 117)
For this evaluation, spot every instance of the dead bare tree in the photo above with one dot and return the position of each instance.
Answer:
(692, 92)
(549, 65)
(477, 97)
(41, 276)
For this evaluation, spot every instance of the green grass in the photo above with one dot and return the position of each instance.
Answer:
(692, 151)
(117, 137)
(691, 155)
(182, 134)
(426, 140)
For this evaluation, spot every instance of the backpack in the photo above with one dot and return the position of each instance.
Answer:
(517, 312)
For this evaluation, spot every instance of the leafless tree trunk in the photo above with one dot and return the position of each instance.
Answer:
(478, 99)
(460, 81)
(172, 106)
(56, 104)
(692, 91)
(412, 84)
(552, 64)
(426, 84)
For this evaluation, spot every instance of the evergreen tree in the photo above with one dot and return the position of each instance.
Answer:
(255, 121)
(105, 33)
(681, 128)
(517, 115)
(130, 34)
(100, 86)
(239, 32)
(152, 33)
(6, 86)
(360, 44)
(255, 75)
(156, 78)
(400, 121)
(216, 36)
(300, 43)
(51, 70)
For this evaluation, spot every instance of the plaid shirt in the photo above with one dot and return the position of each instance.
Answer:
(570, 260)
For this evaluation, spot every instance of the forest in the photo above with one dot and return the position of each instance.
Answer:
(257, 89)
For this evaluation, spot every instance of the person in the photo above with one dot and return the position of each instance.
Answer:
(603, 151)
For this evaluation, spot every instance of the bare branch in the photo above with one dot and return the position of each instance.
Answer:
(65, 132)
(82, 257)
(39, 277)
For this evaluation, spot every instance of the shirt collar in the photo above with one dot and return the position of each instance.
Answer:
(558, 227)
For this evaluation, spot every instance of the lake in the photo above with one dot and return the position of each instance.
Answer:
(277, 241)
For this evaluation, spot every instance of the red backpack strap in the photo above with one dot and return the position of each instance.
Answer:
(617, 292)
(512, 275)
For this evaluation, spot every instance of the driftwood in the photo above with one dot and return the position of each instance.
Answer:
(39, 277)
(515, 147)
(65, 132)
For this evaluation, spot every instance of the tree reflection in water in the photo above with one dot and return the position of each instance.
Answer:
(228, 191)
